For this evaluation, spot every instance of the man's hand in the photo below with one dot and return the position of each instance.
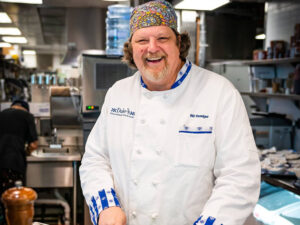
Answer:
(112, 216)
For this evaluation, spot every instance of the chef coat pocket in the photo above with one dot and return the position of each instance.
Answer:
(195, 147)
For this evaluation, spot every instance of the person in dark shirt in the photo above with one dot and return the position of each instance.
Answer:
(17, 130)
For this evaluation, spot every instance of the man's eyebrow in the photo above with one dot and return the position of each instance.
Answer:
(139, 36)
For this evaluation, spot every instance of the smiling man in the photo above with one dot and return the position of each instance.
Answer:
(156, 55)
(173, 144)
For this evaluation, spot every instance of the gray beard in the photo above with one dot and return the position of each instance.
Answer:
(151, 76)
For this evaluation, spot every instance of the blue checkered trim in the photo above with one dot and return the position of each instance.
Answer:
(180, 76)
(103, 200)
(202, 221)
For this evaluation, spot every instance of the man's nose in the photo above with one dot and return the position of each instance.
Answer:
(153, 46)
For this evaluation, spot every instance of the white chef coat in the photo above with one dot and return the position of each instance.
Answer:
(177, 157)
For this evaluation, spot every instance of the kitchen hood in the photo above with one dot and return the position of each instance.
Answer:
(85, 31)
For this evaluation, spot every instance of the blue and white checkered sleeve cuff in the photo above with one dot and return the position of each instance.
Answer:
(202, 220)
(102, 200)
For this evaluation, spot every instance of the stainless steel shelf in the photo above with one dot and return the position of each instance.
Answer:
(266, 95)
(255, 62)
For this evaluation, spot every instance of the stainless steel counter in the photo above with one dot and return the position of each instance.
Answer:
(54, 168)
(40, 155)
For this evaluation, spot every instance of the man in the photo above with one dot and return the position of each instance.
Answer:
(17, 128)
(173, 144)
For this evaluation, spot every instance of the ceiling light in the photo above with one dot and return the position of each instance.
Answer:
(4, 45)
(24, 1)
(19, 40)
(188, 16)
(4, 18)
(29, 52)
(260, 37)
(9, 31)
(199, 4)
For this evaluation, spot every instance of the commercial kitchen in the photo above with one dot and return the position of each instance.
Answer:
(62, 57)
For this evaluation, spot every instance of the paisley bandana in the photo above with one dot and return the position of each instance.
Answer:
(154, 13)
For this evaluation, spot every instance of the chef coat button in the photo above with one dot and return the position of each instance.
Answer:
(143, 121)
(133, 213)
(158, 151)
(154, 216)
(165, 96)
(135, 181)
(148, 95)
(162, 121)
(155, 183)
(139, 151)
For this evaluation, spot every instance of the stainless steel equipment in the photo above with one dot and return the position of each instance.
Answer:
(55, 166)
(272, 131)
(65, 108)
(98, 74)
(54, 163)
(48, 169)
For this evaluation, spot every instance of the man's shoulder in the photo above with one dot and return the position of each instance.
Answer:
(126, 83)
(16, 113)
(210, 78)
(202, 72)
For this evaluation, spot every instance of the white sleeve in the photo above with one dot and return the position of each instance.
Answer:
(237, 166)
(95, 170)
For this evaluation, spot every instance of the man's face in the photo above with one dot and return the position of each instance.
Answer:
(156, 56)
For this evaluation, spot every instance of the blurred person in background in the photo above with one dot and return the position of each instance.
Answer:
(173, 144)
(18, 135)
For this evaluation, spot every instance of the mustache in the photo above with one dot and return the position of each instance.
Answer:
(154, 55)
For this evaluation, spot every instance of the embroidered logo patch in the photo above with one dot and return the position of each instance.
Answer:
(122, 112)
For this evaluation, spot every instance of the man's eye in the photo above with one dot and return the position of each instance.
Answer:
(163, 38)
(142, 41)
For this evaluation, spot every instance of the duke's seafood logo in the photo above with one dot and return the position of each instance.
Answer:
(122, 112)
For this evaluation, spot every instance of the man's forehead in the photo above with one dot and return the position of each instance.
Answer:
(152, 31)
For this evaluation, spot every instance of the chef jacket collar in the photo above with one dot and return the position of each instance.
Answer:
(182, 74)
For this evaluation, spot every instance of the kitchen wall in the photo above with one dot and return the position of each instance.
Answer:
(280, 21)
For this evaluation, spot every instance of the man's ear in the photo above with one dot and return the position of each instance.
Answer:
(179, 41)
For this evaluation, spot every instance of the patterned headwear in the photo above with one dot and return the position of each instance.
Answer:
(154, 13)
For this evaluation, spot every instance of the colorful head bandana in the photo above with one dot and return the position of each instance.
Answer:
(154, 13)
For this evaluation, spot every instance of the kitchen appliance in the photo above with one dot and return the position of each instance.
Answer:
(99, 73)
(64, 107)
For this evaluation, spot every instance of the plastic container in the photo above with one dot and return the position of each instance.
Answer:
(289, 216)
(33, 79)
(271, 206)
(117, 28)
